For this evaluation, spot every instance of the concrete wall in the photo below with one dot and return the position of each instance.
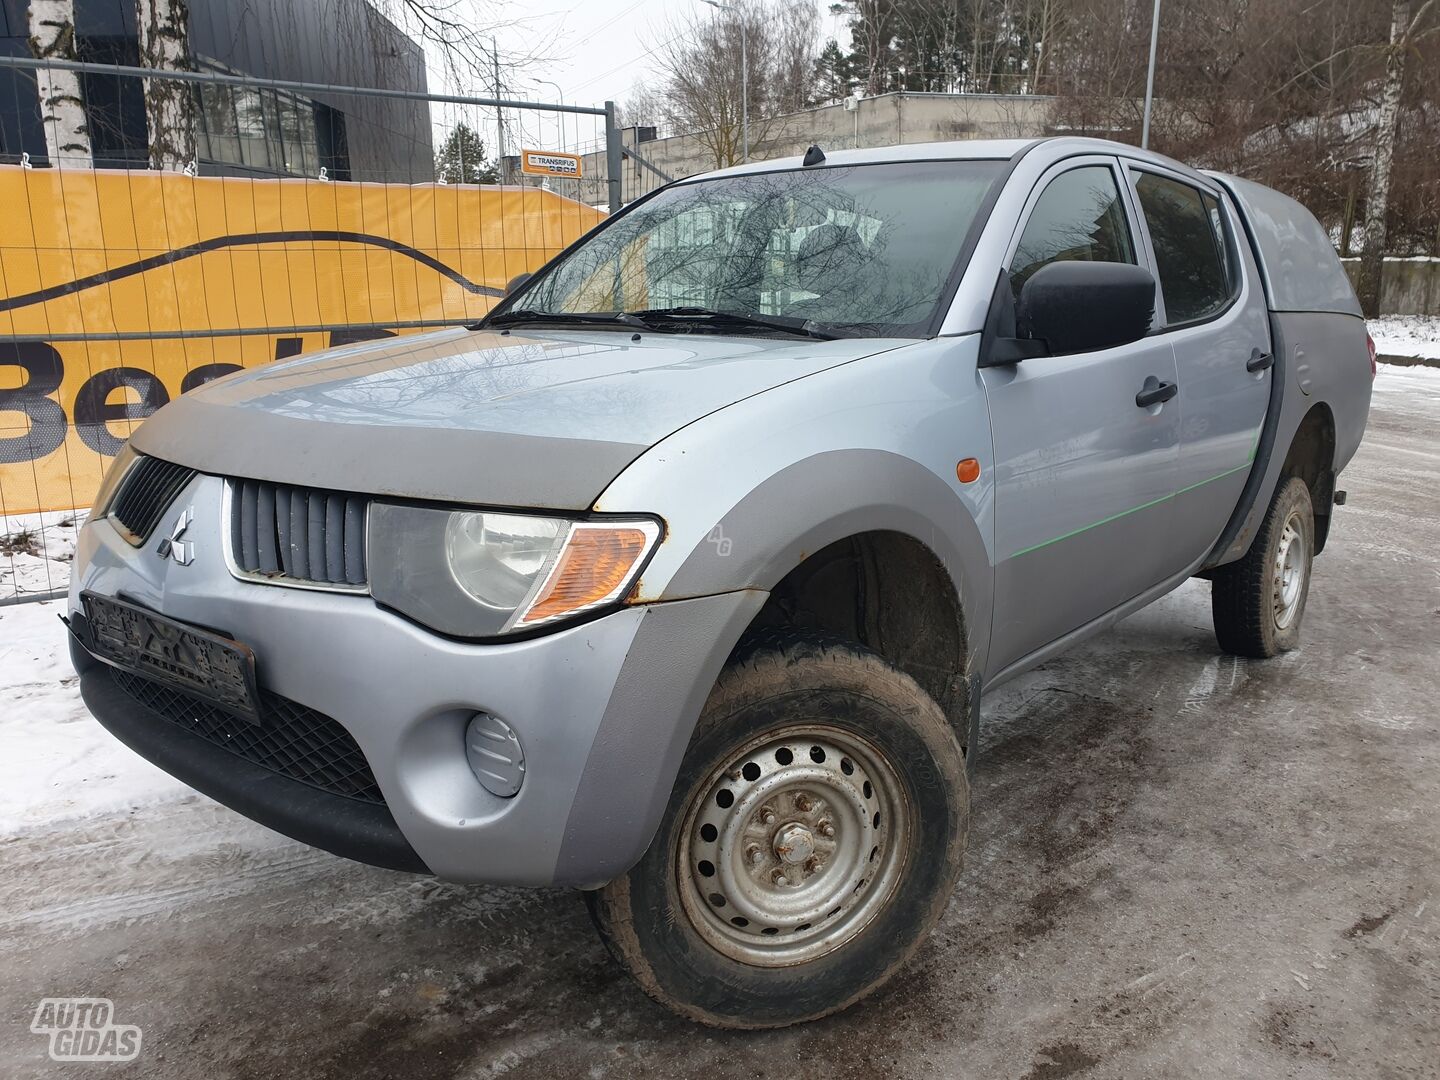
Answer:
(1408, 286)
(886, 120)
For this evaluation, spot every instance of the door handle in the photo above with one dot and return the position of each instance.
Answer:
(1154, 392)
(1259, 361)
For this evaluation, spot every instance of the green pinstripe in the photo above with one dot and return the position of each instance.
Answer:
(1143, 506)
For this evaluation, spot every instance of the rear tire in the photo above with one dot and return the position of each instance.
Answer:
(1257, 603)
(811, 843)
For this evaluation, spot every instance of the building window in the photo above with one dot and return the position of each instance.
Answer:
(268, 131)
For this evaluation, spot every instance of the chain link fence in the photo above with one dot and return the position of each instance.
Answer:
(300, 216)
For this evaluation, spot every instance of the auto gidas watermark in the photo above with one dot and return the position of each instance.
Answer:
(84, 1029)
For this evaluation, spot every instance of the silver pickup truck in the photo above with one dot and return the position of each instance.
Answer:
(679, 578)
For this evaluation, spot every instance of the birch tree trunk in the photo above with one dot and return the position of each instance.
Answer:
(1376, 200)
(163, 27)
(62, 107)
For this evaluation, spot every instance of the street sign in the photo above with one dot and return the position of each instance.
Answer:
(550, 163)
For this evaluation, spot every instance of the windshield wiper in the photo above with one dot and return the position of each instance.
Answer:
(711, 317)
(577, 318)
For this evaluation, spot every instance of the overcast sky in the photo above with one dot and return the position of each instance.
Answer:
(598, 49)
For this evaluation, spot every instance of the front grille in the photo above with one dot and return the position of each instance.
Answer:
(307, 536)
(293, 740)
(146, 493)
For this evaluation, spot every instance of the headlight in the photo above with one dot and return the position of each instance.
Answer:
(110, 485)
(481, 573)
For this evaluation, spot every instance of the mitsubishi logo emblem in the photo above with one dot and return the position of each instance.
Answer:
(172, 547)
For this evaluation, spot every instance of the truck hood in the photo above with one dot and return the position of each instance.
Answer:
(533, 418)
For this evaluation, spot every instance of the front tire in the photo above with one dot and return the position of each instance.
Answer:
(1257, 603)
(814, 835)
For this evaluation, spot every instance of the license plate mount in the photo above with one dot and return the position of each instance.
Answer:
(188, 658)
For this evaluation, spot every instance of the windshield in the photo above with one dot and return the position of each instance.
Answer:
(858, 250)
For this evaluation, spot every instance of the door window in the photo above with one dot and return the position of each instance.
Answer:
(1078, 217)
(1187, 233)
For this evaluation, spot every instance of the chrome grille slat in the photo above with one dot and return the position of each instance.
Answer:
(298, 536)
(248, 546)
(355, 573)
(267, 555)
(334, 536)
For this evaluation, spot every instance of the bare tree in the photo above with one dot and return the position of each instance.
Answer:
(1403, 30)
(700, 68)
(62, 105)
(643, 107)
(163, 28)
(462, 35)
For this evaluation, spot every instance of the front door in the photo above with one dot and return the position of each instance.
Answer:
(1083, 475)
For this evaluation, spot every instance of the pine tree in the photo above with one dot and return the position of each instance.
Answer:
(833, 78)
(462, 160)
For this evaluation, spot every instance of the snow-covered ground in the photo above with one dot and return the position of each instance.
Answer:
(1407, 335)
(55, 761)
(35, 551)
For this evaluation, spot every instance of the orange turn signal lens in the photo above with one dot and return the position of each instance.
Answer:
(968, 471)
(593, 568)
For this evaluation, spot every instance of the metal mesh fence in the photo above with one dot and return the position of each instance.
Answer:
(293, 217)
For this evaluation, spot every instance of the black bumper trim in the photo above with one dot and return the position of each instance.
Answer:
(353, 830)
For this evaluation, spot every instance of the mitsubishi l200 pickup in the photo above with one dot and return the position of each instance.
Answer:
(679, 578)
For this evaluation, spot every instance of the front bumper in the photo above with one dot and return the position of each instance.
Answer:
(603, 710)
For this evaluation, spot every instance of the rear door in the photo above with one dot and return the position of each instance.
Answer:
(1083, 474)
(1212, 310)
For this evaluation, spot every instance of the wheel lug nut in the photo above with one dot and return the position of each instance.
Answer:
(777, 876)
(826, 829)
(803, 802)
(755, 855)
(767, 816)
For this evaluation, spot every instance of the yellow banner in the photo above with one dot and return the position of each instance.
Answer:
(120, 290)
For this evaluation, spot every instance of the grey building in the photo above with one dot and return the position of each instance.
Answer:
(252, 131)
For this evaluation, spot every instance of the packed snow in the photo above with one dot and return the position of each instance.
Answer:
(35, 551)
(1416, 336)
(56, 762)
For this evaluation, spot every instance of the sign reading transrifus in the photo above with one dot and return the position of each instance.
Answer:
(550, 163)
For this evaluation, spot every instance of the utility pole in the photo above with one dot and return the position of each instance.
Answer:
(1150, 77)
(499, 113)
(744, 96)
(744, 76)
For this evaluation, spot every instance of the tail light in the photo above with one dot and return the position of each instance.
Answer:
(1370, 345)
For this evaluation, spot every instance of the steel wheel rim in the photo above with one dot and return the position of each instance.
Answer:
(782, 861)
(1292, 564)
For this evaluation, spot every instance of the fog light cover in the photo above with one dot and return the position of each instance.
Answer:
(493, 750)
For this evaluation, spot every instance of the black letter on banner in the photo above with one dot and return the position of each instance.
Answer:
(93, 408)
(44, 369)
(205, 373)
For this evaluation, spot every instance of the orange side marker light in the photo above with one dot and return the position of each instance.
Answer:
(968, 470)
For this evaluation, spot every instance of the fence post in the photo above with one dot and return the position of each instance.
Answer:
(613, 158)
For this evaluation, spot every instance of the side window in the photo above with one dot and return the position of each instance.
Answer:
(1078, 217)
(1187, 231)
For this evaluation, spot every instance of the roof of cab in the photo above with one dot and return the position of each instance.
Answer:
(963, 150)
(974, 149)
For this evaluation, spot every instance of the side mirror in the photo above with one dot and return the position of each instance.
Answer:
(516, 281)
(1075, 307)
